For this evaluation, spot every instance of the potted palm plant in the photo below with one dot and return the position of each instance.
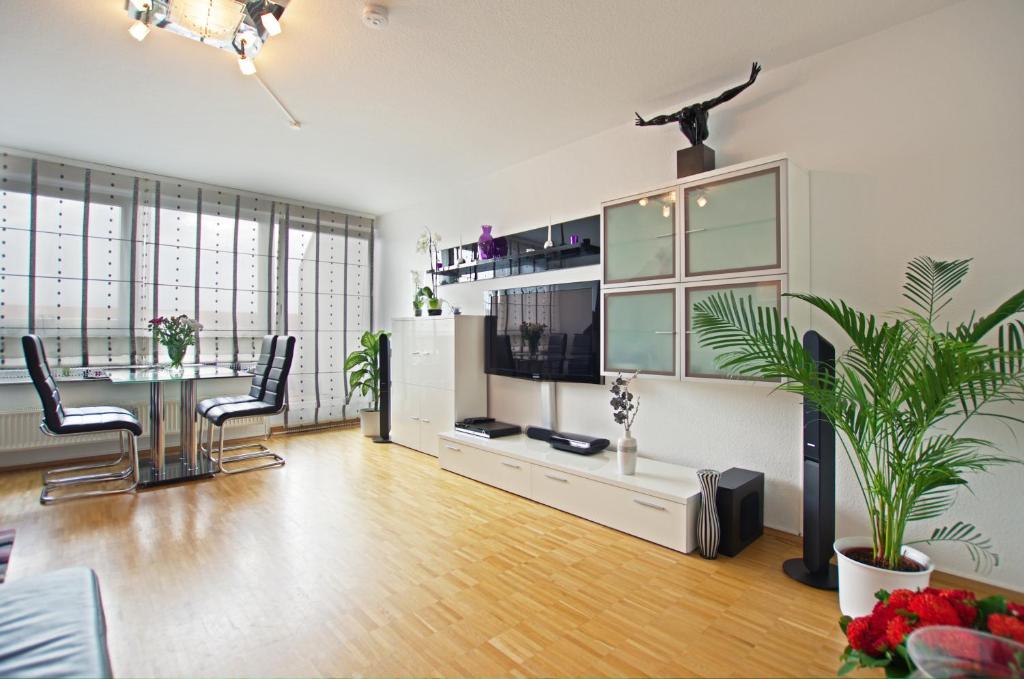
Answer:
(364, 378)
(899, 399)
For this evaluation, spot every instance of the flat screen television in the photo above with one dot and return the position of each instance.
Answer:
(545, 332)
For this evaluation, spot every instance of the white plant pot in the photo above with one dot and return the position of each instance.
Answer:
(858, 582)
(369, 422)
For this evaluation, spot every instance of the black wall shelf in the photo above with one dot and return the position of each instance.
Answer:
(526, 253)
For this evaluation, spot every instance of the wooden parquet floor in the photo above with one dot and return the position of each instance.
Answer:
(363, 559)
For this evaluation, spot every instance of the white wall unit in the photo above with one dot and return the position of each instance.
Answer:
(437, 377)
(639, 239)
(699, 362)
(734, 223)
(659, 504)
(641, 330)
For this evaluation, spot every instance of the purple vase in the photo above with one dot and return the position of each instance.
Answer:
(485, 243)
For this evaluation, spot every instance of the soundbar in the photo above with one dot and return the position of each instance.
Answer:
(578, 443)
(570, 443)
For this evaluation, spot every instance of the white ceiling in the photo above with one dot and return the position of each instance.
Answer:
(452, 89)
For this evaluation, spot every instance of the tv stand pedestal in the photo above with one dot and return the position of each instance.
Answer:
(659, 503)
(549, 405)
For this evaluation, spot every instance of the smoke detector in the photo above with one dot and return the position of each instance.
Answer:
(375, 16)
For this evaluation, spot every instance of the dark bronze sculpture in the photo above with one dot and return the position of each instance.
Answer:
(693, 119)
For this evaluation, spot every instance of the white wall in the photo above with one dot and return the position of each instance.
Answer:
(914, 143)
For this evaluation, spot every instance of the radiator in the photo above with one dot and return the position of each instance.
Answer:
(20, 430)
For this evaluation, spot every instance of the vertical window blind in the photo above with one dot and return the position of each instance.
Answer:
(89, 255)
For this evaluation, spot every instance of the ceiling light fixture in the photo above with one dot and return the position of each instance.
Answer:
(240, 26)
(224, 24)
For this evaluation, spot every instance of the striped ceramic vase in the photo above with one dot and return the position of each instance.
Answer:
(709, 532)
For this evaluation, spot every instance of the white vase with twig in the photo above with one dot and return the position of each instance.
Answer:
(625, 405)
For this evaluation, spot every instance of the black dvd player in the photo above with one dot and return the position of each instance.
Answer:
(487, 429)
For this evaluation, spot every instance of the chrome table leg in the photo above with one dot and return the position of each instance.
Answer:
(157, 433)
(188, 426)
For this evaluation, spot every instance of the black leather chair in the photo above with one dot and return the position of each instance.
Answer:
(61, 421)
(257, 390)
(272, 402)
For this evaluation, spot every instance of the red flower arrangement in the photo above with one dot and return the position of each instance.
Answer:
(879, 639)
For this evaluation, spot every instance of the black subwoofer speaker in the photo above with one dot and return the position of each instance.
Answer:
(819, 461)
(740, 504)
(384, 370)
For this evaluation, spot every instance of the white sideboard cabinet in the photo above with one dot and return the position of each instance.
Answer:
(437, 377)
(659, 503)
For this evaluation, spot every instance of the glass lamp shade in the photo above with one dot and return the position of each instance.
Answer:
(246, 66)
(139, 31)
(271, 23)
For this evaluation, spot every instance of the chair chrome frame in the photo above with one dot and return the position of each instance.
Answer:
(50, 478)
(261, 451)
(131, 471)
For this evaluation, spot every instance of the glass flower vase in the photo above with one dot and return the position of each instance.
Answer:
(177, 354)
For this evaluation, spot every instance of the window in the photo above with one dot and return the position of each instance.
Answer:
(89, 256)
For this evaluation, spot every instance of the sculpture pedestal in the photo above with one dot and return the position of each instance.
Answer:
(694, 160)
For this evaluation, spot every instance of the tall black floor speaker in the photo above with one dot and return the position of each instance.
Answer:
(384, 370)
(819, 459)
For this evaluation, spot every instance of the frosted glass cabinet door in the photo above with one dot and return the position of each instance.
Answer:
(700, 361)
(640, 331)
(639, 239)
(733, 224)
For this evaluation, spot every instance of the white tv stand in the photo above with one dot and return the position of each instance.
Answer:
(659, 503)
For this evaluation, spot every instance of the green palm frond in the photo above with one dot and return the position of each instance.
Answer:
(930, 282)
(978, 546)
(932, 504)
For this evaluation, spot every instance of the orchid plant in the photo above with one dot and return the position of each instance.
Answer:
(429, 243)
(625, 405)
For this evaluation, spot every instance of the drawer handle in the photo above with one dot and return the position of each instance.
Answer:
(651, 505)
(513, 466)
(665, 235)
(414, 418)
(560, 479)
(695, 230)
(664, 332)
(455, 448)
(415, 353)
(423, 419)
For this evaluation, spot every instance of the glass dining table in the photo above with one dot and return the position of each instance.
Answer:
(160, 468)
